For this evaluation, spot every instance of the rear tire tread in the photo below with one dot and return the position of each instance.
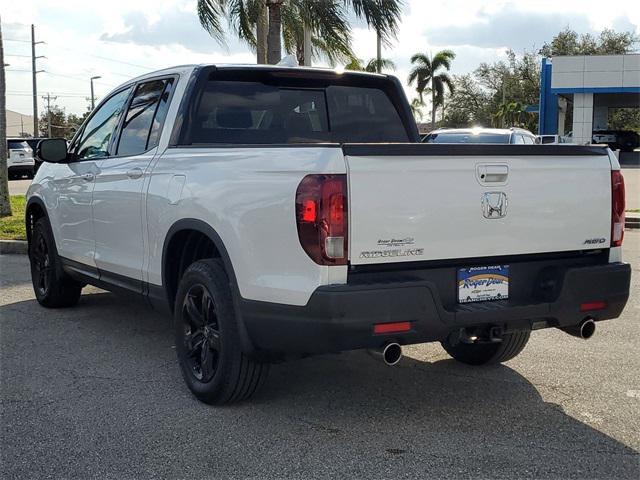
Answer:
(243, 375)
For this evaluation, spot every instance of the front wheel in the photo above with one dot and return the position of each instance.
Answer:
(488, 353)
(53, 288)
(207, 339)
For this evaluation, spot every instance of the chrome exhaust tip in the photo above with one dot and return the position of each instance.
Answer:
(585, 329)
(391, 353)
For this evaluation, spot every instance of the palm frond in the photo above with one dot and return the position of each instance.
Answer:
(421, 59)
(384, 64)
(443, 59)
(210, 13)
(383, 16)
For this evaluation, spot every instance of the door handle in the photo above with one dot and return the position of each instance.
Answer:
(492, 173)
(88, 177)
(135, 173)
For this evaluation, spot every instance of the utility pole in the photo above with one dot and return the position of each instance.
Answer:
(93, 97)
(48, 98)
(34, 72)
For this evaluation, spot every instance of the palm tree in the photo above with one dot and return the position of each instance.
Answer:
(327, 20)
(5, 204)
(510, 114)
(373, 65)
(416, 109)
(427, 76)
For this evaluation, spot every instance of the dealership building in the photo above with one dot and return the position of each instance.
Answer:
(578, 93)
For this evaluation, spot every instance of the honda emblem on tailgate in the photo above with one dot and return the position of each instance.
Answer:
(494, 204)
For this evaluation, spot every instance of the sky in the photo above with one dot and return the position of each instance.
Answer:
(125, 38)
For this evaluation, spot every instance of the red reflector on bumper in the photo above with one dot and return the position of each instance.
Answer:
(392, 327)
(585, 307)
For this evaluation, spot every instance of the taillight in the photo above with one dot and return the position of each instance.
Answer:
(321, 216)
(617, 208)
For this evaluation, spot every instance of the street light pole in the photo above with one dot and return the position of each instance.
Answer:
(93, 98)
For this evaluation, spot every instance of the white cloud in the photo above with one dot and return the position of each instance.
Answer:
(75, 32)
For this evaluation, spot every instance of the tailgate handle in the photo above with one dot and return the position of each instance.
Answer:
(493, 173)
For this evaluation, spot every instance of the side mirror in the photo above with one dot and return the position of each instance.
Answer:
(52, 150)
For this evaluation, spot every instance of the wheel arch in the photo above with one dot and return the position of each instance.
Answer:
(34, 210)
(176, 232)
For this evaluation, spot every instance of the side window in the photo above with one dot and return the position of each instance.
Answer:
(139, 121)
(161, 114)
(517, 139)
(529, 140)
(100, 128)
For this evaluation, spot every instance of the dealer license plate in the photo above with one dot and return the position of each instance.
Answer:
(481, 284)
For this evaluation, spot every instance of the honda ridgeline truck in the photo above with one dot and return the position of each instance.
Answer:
(282, 212)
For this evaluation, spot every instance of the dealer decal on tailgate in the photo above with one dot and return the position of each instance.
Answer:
(479, 284)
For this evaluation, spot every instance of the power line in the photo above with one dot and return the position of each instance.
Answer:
(106, 58)
(63, 95)
(16, 40)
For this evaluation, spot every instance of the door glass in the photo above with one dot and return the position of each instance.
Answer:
(161, 113)
(517, 138)
(99, 130)
(139, 118)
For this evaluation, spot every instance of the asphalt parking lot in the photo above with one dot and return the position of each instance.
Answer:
(95, 391)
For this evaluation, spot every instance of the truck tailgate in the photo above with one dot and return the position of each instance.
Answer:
(416, 202)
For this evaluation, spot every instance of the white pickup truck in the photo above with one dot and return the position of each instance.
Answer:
(282, 212)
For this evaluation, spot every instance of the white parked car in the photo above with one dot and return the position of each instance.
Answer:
(514, 136)
(280, 212)
(20, 161)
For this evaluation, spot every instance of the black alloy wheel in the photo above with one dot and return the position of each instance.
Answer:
(202, 340)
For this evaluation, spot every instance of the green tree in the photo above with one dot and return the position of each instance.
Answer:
(608, 42)
(327, 21)
(5, 204)
(428, 75)
(60, 124)
(624, 119)
(468, 104)
(371, 66)
(515, 80)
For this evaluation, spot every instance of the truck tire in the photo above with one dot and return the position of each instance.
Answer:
(53, 288)
(488, 353)
(207, 340)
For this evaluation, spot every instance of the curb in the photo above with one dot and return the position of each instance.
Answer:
(13, 247)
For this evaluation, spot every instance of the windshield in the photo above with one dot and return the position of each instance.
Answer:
(467, 137)
(255, 112)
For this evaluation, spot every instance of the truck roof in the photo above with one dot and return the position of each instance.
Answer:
(299, 71)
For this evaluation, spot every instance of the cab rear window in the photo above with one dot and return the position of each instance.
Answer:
(243, 111)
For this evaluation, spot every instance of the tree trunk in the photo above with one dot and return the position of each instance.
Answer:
(433, 108)
(5, 204)
(274, 42)
(306, 47)
(378, 52)
(262, 29)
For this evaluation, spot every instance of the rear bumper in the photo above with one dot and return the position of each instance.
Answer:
(339, 318)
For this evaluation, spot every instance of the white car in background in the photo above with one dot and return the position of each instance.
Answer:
(20, 159)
